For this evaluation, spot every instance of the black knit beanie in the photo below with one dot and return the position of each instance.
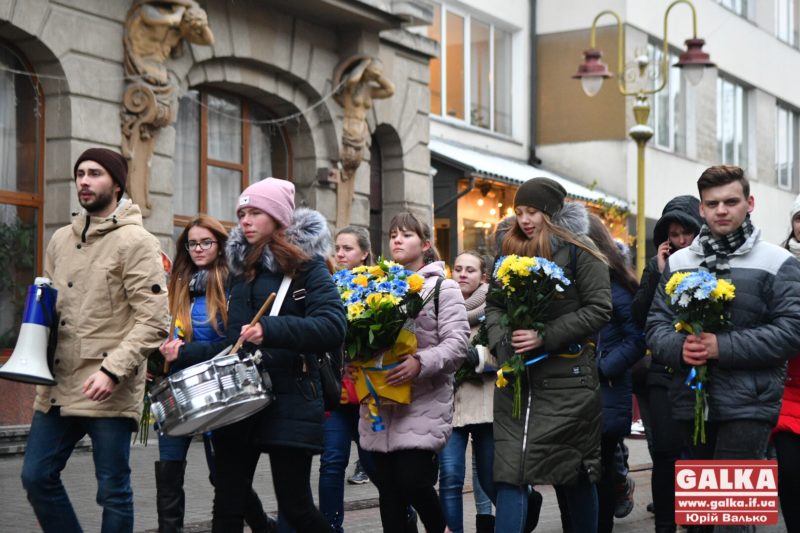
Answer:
(544, 194)
(114, 163)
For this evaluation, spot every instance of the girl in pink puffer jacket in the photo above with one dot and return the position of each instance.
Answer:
(405, 452)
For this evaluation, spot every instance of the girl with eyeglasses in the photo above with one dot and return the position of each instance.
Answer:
(198, 301)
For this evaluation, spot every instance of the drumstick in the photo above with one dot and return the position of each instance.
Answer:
(169, 334)
(255, 320)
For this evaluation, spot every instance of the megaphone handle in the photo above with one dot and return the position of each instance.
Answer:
(255, 320)
(169, 334)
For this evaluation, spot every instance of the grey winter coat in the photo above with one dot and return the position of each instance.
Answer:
(746, 382)
(558, 433)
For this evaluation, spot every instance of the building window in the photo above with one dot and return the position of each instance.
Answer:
(223, 145)
(737, 6)
(785, 21)
(668, 118)
(472, 79)
(21, 196)
(785, 147)
(731, 122)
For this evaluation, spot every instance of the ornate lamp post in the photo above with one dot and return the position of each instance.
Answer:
(592, 72)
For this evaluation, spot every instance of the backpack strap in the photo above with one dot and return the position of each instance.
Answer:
(573, 259)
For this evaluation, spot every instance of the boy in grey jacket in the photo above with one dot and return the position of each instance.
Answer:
(747, 361)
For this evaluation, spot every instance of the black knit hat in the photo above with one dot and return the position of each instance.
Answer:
(113, 162)
(685, 210)
(544, 194)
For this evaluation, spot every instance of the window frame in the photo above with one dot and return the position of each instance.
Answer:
(745, 118)
(789, 20)
(468, 17)
(791, 148)
(672, 80)
(743, 10)
(180, 220)
(34, 200)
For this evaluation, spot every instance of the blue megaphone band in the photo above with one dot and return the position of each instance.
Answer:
(40, 310)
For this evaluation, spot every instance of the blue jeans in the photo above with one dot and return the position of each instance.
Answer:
(341, 428)
(50, 443)
(581, 500)
(177, 448)
(483, 504)
(452, 470)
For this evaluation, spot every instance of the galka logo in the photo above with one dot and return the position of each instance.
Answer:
(726, 492)
(244, 200)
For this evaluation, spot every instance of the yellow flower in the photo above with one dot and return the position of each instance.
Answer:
(376, 271)
(724, 291)
(346, 295)
(354, 310)
(415, 283)
(501, 381)
(674, 281)
(375, 300)
(359, 269)
(361, 280)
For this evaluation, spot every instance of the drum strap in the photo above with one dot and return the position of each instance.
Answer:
(283, 290)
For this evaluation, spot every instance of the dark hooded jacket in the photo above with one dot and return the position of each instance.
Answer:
(557, 435)
(684, 210)
(311, 320)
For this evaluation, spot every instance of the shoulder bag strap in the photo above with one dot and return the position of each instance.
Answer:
(281, 296)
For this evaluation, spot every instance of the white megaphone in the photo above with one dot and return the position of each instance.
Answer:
(28, 363)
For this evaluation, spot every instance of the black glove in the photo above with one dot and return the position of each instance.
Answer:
(472, 359)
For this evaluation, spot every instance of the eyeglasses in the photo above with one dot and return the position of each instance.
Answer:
(203, 245)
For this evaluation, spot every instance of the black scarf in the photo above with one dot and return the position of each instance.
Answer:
(716, 251)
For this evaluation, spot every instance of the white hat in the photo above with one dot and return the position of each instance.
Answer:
(795, 207)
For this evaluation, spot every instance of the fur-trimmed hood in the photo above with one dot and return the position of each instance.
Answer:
(309, 231)
(573, 217)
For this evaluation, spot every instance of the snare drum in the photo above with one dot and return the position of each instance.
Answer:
(209, 395)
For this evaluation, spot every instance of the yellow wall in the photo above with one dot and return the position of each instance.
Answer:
(565, 113)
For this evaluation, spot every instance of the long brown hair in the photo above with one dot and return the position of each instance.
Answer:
(516, 242)
(619, 267)
(411, 222)
(288, 256)
(180, 305)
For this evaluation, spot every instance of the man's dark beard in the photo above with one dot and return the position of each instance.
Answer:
(99, 204)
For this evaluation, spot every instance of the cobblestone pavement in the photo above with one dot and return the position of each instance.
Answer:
(361, 514)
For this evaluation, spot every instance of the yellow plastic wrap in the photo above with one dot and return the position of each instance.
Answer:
(370, 380)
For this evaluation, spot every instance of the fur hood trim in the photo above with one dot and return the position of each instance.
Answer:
(309, 231)
(573, 217)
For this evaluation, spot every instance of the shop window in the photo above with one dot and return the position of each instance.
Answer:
(668, 117)
(479, 212)
(21, 197)
(472, 80)
(224, 143)
(731, 122)
(785, 147)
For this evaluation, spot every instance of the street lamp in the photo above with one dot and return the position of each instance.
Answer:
(592, 72)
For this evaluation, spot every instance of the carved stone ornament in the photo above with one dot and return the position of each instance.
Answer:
(364, 82)
(154, 31)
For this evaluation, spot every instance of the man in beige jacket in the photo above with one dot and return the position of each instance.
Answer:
(112, 302)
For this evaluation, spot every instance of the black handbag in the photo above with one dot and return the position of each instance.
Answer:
(330, 375)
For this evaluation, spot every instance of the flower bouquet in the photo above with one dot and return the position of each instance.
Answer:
(699, 300)
(527, 285)
(382, 302)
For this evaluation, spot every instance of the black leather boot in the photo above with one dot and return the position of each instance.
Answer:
(256, 518)
(169, 495)
(484, 523)
(534, 508)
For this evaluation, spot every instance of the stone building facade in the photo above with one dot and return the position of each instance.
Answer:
(63, 80)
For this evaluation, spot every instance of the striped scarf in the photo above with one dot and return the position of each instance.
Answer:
(716, 251)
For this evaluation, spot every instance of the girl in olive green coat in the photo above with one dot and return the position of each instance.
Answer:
(556, 439)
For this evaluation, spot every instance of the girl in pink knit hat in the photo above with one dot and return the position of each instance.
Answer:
(274, 240)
